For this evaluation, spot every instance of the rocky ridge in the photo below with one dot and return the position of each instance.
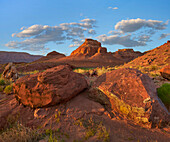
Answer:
(6, 57)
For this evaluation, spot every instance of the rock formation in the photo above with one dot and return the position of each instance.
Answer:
(89, 48)
(132, 95)
(51, 55)
(53, 86)
(10, 72)
(127, 54)
(165, 72)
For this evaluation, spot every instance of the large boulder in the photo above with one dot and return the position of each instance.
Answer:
(10, 72)
(53, 86)
(132, 96)
(165, 72)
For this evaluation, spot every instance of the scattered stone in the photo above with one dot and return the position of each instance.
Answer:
(132, 96)
(165, 72)
(48, 88)
(10, 72)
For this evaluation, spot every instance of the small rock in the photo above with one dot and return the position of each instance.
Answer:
(165, 72)
(10, 72)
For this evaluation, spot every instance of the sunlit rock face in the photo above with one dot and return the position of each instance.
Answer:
(48, 88)
(132, 95)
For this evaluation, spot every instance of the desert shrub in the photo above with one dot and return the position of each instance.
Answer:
(164, 93)
(2, 81)
(20, 133)
(101, 71)
(153, 67)
(82, 71)
(1, 88)
(8, 89)
(30, 72)
(93, 128)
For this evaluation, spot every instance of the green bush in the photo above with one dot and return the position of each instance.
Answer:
(164, 94)
(8, 89)
(2, 82)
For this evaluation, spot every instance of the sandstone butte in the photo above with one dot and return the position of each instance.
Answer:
(131, 95)
(89, 48)
(48, 88)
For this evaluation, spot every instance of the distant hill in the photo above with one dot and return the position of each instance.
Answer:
(153, 60)
(92, 54)
(51, 55)
(89, 55)
(6, 57)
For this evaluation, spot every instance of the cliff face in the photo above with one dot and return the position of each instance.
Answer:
(6, 57)
(89, 48)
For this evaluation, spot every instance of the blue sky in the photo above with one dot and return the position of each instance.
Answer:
(41, 26)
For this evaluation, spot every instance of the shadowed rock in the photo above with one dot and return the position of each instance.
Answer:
(132, 95)
(165, 72)
(53, 86)
(10, 72)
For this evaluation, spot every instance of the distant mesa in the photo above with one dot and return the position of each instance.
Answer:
(127, 54)
(6, 57)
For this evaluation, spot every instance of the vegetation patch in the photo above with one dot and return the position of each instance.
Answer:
(164, 94)
(20, 133)
(8, 89)
(2, 81)
(93, 128)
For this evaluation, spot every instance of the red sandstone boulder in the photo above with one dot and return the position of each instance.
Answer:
(50, 87)
(132, 95)
(165, 72)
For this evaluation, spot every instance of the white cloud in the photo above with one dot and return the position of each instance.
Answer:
(92, 32)
(36, 37)
(121, 40)
(133, 25)
(133, 32)
(143, 38)
(92, 21)
(31, 31)
(113, 8)
(164, 35)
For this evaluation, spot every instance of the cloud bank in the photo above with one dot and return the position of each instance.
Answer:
(133, 32)
(164, 35)
(35, 37)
